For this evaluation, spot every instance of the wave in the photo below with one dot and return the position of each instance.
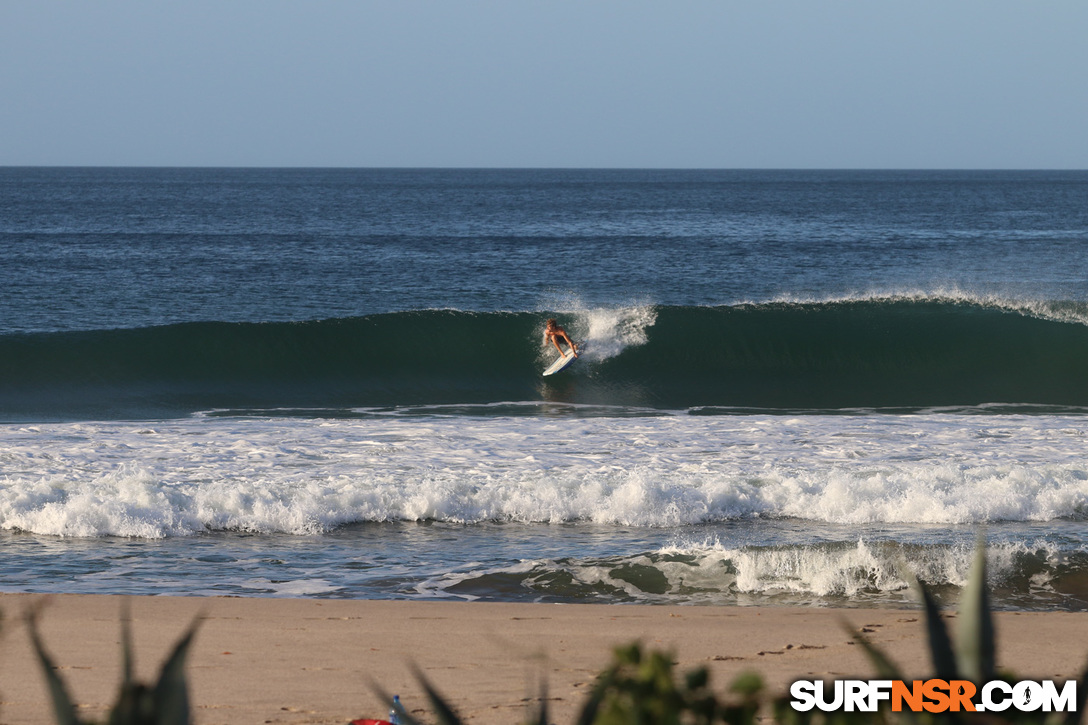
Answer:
(1023, 575)
(901, 351)
(133, 501)
(305, 477)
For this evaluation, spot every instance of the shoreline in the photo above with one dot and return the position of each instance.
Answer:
(315, 661)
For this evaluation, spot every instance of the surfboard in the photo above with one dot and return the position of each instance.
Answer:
(564, 360)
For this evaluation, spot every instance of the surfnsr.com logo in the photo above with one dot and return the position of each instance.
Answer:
(934, 696)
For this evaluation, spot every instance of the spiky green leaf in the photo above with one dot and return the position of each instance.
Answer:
(171, 693)
(63, 709)
(384, 696)
(975, 633)
(443, 710)
(940, 644)
(592, 706)
(126, 644)
(883, 665)
(541, 717)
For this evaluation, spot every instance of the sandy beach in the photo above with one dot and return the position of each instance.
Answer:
(309, 661)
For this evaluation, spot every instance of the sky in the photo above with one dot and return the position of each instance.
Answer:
(977, 84)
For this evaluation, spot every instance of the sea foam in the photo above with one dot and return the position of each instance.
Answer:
(859, 572)
(306, 476)
(604, 331)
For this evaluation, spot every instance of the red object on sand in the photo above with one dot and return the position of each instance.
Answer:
(370, 722)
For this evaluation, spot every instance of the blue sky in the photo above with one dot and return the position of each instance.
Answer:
(556, 83)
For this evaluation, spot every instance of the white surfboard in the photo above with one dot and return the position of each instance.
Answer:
(564, 360)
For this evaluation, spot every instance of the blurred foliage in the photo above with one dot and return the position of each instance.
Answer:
(164, 703)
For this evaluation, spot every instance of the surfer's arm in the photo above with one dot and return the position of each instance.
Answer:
(573, 347)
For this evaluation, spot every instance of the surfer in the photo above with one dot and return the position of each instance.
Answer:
(552, 333)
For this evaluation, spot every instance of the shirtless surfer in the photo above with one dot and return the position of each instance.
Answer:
(553, 332)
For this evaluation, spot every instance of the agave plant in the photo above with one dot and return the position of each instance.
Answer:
(973, 656)
(640, 688)
(444, 712)
(164, 703)
(637, 688)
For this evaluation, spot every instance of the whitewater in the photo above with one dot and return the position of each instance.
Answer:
(299, 476)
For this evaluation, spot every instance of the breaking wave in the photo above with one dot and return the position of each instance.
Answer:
(910, 352)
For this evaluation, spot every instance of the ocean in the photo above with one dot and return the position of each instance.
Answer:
(795, 388)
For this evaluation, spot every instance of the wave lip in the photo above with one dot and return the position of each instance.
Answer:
(871, 353)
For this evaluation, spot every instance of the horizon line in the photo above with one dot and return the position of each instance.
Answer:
(300, 167)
